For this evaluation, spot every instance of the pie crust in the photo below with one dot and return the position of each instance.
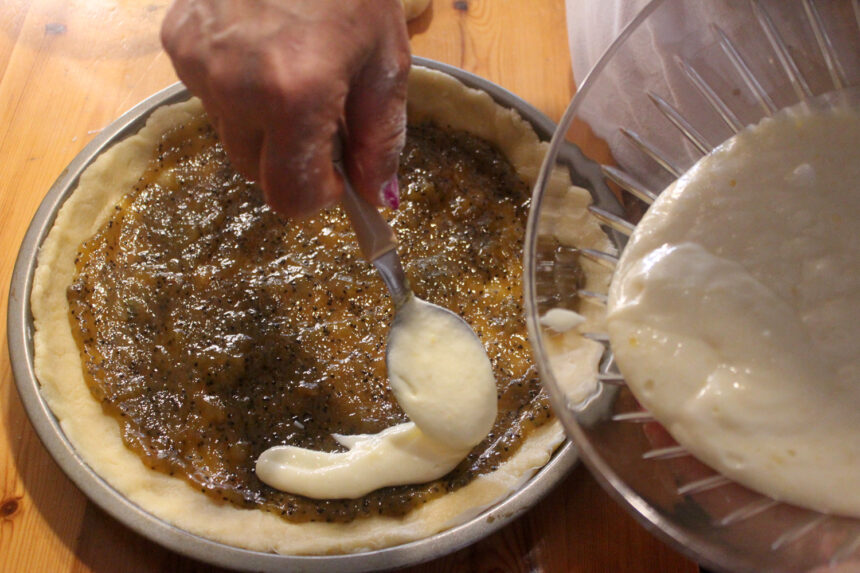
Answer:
(96, 435)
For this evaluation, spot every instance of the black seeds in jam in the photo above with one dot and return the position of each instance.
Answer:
(212, 329)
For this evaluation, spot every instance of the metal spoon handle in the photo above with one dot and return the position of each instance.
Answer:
(376, 239)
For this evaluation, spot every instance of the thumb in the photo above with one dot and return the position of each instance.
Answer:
(376, 124)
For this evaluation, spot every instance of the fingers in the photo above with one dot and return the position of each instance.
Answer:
(302, 110)
(376, 121)
(243, 144)
(183, 39)
(296, 170)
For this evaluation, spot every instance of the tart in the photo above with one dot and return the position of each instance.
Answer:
(102, 341)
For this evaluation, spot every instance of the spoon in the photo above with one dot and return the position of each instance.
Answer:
(433, 356)
(378, 244)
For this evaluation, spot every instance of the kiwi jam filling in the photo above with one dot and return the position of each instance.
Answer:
(212, 329)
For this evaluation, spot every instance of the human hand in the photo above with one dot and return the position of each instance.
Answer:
(278, 77)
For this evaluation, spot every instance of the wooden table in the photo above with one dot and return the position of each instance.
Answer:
(67, 69)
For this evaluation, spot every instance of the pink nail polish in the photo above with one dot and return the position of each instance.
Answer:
(390, 193)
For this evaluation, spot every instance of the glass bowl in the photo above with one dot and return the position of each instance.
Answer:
(681, 78)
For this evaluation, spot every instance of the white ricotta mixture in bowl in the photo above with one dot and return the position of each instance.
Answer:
(735, 309)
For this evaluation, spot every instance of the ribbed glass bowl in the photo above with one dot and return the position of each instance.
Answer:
(683, 77)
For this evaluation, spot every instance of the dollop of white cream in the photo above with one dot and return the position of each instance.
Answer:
(735, 309)
(398, 455)
(561, 319)
(443, 380)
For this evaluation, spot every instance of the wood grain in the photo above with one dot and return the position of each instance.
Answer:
(67, 69)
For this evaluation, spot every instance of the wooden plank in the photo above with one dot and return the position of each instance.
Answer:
(521, 46)
(12, 14)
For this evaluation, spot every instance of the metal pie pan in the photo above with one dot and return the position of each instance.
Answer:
(20, 336)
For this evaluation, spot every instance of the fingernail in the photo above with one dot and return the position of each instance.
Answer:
(390, 193)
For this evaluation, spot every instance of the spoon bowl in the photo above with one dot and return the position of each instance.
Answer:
(437, 366)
